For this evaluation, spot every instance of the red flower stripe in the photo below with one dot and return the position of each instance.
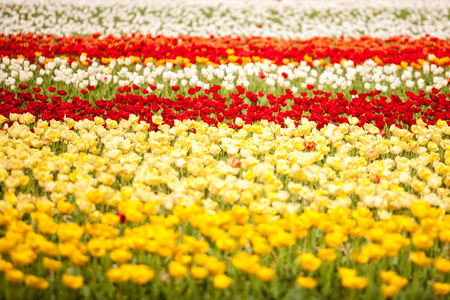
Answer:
(211, 107)
(392, 50)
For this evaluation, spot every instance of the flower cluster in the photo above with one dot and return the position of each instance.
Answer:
(110, 202)
(398, 64)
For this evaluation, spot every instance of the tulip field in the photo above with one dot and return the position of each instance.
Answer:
(225, 149)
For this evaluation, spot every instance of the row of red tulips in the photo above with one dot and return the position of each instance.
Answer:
(212, 106)
(225, 49)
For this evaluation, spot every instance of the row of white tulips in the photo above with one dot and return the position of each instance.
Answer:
(121, 72)
(284, 19)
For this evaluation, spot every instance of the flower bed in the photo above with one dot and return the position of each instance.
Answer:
(201, 165)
